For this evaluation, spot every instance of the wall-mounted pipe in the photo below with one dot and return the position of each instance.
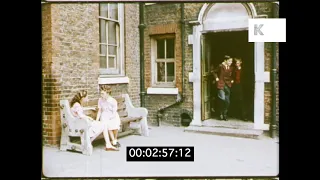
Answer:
(141, 33)
(182, 48)
(273, 124)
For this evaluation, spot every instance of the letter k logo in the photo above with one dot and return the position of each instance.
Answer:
(257, 29)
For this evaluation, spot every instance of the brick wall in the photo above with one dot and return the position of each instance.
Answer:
(132, 51)
(70, 53)
(50, 81)
(164, 19)
(73, 62)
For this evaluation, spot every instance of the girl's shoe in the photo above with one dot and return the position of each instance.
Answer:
(118, 144)
(111, 149)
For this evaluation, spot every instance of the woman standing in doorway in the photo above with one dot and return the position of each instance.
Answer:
(107, 112)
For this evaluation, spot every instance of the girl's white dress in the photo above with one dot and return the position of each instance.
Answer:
(109, 113)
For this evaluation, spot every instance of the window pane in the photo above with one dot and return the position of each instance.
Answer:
(170, 72)
(103, 62)
(170, 48)
(112, 50)
(104, 9)
(112, 33)
(160, 48)
(111, 62)
(113, 13)
(103, 50)
(161, 72)
(102, 31)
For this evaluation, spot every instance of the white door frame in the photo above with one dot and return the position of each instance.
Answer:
(195, 76)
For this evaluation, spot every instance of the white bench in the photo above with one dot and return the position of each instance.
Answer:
(133, 121)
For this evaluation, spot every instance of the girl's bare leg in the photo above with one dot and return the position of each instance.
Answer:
(107, 139)
(115, 133)
(106, 136)
(111, 135)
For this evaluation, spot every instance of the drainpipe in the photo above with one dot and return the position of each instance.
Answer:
(182, 48)
(180, 97)
(141, 33)
(274, 80)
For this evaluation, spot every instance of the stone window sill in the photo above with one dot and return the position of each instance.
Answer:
(169, 91)
(113, 80)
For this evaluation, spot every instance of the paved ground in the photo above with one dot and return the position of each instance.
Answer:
(214, 156)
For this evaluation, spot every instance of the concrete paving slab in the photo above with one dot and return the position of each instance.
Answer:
(214, 156)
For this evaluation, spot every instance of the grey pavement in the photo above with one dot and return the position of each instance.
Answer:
(214, 156)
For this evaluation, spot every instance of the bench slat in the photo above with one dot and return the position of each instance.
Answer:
(94, 102)
(123, 113)
(129, 119)
(125, 133)
(119, 99)
(121, 106)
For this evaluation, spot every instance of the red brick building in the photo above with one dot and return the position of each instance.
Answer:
(85, 45)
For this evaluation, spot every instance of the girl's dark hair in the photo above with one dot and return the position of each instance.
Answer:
(77, 98)
(106, 88)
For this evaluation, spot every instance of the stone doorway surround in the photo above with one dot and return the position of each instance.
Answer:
(214, 17)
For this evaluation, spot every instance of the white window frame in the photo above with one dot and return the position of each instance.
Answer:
(119, 71)
(148, 4)
(154, 62)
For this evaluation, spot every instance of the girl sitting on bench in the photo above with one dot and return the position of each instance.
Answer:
(108, 113)
(97, 127)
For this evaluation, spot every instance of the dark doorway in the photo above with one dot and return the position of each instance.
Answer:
(234, 44)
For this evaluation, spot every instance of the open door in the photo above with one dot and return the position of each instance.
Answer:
(205, 83)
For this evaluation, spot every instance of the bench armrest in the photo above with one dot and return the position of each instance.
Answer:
(88, 108)
(134, 111)
(137, 112)
(77, 126)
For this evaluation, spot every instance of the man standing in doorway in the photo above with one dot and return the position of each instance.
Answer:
(224, 79)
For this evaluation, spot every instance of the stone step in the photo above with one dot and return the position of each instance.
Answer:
(231, 123)
(223, 131)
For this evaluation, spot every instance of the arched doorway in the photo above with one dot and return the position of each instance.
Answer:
(219, 19)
